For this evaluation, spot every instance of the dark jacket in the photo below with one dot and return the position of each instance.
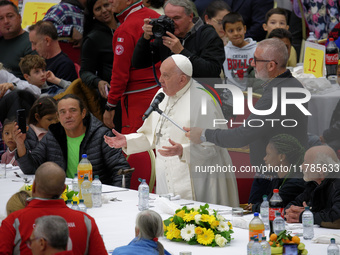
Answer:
(202, 46)
(97, 55)
(258, 137)
(288, 190)
(332, 134)
(105, 161)
(31, 139)
(324, 201)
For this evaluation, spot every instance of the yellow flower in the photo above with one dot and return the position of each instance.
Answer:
(198, 231)
(214, 224)
(164, 227)
(28, 187)
(173, 231)
(208, 218)
(74, 198)
(206, 237)
(230, 226)
(190, 216)
(63, 196)
(181, 213)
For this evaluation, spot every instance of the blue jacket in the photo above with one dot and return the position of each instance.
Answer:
(139, 246)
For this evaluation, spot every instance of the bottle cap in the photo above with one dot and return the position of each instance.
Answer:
(75, 175)
(69, 201)
(252, 238)
(306, 207)
(256, 214)
(86, 177)
(332, 240)
(276, 190)
(96, 176)
(264, 238)
(277, 213)
(74, 202)
(331, 39)
(81, 200)
(84, 156)
(264, 197)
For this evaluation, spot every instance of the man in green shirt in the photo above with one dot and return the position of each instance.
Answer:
(78, 132)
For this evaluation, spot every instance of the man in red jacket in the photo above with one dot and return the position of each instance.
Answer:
(47, 187)
(134, 88)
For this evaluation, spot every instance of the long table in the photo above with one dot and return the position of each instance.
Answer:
(116, 220)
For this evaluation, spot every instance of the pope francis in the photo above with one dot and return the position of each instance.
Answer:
(182, 168)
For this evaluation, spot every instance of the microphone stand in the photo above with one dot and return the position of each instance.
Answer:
(167, 117)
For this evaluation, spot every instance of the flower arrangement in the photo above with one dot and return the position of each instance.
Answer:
(198, 226)
(67, 194)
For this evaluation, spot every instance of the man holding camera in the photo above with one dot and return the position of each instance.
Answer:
(191, 38)
(134, 88)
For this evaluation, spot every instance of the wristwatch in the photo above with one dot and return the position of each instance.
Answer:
(203, 138)
(109, 108)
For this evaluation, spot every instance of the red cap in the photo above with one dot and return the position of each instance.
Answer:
(276, 190)
(331, 39)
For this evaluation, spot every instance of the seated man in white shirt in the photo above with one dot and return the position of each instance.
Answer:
(179, 165)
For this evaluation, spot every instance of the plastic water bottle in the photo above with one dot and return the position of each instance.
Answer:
(265, 246)
(256, 249)
(143, 194)
(250, 244)
(69, 203)
(96, 192)
(312, 38)
(333, 249)
(75, 186)
(84, 168)
(308, 224)
(75, 206)
(264, 210)
(82, 206)
(278, 224)
(86, 192)
(256, 227)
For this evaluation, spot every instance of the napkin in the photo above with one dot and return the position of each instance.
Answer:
(241, 222)
(166, 206)
(326, 238)
(292, 226)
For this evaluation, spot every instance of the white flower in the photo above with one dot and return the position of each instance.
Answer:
(196, 208)
(220, 240)
(198, 218)
(188, 232)
(220, 217)
(223, 226)
(211, 211)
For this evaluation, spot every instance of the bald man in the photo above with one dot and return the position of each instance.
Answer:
(176, 160)
(47, 187)
(322, 194)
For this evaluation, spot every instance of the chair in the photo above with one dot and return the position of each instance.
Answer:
(144, 164)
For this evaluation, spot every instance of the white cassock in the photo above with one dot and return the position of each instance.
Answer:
(179, 175)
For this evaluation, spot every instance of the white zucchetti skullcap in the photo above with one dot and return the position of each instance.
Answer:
(183, 63)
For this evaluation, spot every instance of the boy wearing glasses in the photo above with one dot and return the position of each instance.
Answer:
(239, 52)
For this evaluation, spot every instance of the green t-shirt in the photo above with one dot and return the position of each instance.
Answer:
(73, 147)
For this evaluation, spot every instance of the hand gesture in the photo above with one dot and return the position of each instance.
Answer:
(194, 134)
(173, 43)
(19, 138)
(118, 141)
(108, 118)
(293, 213)
(175, 150)
(103, 88)
(4, 87)
(50, 77)
(147, 28)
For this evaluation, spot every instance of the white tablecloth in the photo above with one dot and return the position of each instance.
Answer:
(116, 221)
(321, 107)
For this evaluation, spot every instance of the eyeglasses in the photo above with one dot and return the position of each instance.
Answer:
(263, 60)
(30, 241)
(219, 22)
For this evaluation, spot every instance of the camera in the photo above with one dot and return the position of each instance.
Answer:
(161, 25)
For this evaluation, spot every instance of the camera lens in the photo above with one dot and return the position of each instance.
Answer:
(158, 30)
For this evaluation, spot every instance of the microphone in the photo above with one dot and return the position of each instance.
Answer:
(159, 98)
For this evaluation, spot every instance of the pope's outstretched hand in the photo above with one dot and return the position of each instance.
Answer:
(118, 141)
